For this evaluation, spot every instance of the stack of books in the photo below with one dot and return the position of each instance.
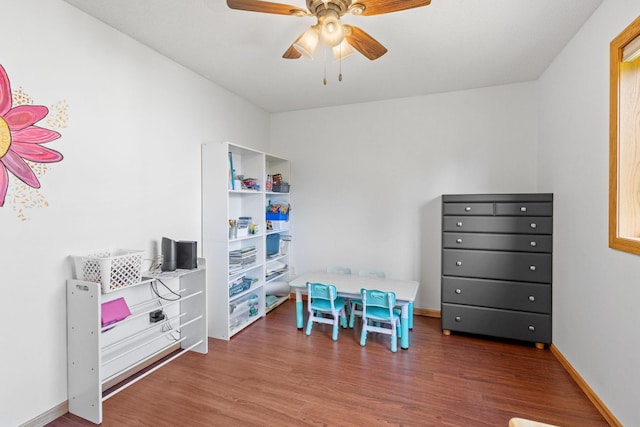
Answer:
(275, 269)
(239, 285)
(241, 259)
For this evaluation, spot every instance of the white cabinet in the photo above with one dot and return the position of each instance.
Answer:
(238, 256)
(100, 359)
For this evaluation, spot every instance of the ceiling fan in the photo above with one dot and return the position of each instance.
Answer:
(329, 31)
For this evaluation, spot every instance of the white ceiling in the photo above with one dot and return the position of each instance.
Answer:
(446, 46)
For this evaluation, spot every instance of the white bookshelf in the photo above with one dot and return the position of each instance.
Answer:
(222, 202)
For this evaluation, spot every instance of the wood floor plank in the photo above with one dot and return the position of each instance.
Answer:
(272, 374)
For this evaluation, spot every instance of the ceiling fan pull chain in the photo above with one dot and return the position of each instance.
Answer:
(340, 65)
(324, 78)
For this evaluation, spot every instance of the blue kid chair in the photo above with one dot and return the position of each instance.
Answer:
(355, 304)
(339, 270)
(377, 307)
(323, 299)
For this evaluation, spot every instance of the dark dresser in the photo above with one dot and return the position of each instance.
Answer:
(496, 265)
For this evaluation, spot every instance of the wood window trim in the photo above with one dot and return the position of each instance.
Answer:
(618, 240)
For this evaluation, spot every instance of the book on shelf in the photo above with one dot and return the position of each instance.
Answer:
(274, 274)
(271, 300)
(276, 269)
(232, 172)
(240, 259)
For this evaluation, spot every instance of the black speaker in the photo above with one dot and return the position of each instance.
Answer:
(187, 254)
(168, 254)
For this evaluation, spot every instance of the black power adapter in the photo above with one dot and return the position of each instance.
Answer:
(156, 316)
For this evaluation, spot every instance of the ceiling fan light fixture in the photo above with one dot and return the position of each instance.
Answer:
(343, 50)
(308, 42)
(331, 29)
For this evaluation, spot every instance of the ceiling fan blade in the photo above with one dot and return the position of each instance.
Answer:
(364, 43)
(292, 53)
(266, 7)
(378, 7)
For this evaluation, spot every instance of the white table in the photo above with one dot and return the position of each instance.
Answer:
(349, 285)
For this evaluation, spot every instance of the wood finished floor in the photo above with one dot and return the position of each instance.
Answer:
(272, 374)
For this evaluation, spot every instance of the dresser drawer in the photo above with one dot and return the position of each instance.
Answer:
(467, 209)
(498, 242)
(531, 297)
(521, 225)
(519, 266)
(517, 325)
(524, 209)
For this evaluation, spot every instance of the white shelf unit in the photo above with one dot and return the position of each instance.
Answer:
(276, 165)
(220, 204)
(101, 361)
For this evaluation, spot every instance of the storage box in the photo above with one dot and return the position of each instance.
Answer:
(273, 244)
(239, 317)
(281, 188)
(113, 268)
(277, 216)
(240, 310)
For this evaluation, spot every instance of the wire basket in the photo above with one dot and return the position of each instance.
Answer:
(113, 268)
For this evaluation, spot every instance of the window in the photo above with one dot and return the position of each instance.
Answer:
(624, 141)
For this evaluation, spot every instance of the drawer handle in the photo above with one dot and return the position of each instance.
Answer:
(532, 298)
(458, 263)
(533, 225)
(458, 240)
(533, 244)
(459, 224)
(523, 208)
(458, 291)
(532, 267)
(458, 318)
(532, 328)
(467, 209)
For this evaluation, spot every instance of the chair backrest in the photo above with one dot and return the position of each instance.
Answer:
(378, 303)
(372, 273)
(321, 296)
(339, 270)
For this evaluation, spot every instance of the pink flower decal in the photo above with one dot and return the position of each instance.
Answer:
(20, 140)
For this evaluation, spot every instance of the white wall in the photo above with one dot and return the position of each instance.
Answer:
(130, 175)
(596, 289)
(367, 178)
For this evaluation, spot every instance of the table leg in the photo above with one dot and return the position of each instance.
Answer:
(404, 324)
(410, 315)
(299, 318)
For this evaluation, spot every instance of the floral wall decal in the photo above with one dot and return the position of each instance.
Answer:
(21, 142)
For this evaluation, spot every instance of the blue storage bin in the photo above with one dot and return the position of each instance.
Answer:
(273, 243)
(277, 216)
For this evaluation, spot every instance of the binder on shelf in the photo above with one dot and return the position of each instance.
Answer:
(232, 172)
(114, 311)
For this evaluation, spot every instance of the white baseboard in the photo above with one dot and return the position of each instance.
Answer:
(593, 397)
(49, 416)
